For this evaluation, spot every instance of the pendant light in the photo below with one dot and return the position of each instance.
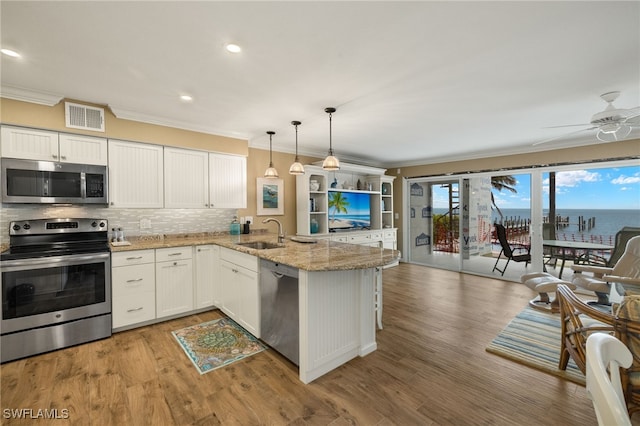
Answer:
(296, 168)
(331, 162)
(271, 172)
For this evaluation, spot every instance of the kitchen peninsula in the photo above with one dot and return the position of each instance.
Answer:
(337, 288)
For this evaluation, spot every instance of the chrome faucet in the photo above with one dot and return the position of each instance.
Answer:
(280, 231)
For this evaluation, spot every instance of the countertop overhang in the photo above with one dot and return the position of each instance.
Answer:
(323, 255)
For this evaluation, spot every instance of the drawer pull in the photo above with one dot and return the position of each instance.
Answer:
(137, 280)
(134, 258)
(135, 309)
(175, 254)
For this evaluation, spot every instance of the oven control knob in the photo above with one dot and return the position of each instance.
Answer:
(94, 224)
(26, 226)
(16, 227)
(102, 224)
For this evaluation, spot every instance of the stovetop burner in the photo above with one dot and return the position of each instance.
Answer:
(56, 237)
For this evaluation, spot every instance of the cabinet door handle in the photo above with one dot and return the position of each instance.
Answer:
(64, 157)
(54, 156)
(137, 280)
(134, 258)
(135, 309)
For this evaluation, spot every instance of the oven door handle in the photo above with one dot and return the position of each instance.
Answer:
(53, 261)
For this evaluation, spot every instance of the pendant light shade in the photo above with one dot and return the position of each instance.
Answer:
(331, 162)
(271, 172)
(296, 168)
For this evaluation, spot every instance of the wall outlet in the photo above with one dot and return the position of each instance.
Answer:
(241, 220)
(248, 218)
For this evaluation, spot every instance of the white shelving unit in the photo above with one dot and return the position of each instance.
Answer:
(312, 203)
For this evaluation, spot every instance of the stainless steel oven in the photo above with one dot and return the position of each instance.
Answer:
(56, 286)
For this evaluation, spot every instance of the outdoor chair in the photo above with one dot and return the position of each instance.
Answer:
(626, 270)
(512, 251)
(605, 356)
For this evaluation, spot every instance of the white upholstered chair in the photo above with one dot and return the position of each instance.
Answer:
(605, 356)
(625, 271)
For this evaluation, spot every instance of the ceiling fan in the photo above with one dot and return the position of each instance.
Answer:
(612, 124)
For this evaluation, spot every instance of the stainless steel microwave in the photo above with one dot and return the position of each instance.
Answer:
(47, 182)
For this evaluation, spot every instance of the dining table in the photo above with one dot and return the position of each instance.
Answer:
(578, 251)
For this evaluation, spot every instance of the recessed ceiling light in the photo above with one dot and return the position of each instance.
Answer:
(186, 98)
(10, 52)
(233, 48)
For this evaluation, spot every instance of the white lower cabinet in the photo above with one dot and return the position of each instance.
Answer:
(174, 281)
(133, 284)
(240, 293)
(207, 275)
(153, 284)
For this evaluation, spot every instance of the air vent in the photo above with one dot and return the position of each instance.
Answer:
(84, 117)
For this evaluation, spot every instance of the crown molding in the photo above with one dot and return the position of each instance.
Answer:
(127, 114)
(32, 96)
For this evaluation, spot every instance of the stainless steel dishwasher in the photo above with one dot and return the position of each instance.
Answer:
(279, 324)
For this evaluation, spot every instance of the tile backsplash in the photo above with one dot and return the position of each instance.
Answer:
(132, 221)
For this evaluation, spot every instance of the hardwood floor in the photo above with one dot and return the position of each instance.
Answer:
(431, 368)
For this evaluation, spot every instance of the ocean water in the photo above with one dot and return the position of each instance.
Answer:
(355, 220)
(607, 222)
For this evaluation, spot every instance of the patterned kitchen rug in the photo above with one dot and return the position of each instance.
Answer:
(216, 343)
(532, 338)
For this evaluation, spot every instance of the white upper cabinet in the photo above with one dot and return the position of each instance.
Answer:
(32, 144)
(227, 181)
(136, 173)
(29, 144)
(83, 149)
(186, 178)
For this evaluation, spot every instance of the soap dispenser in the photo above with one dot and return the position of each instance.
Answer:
(235, 226)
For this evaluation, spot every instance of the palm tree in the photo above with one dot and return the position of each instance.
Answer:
(499, 183)
(338, 202)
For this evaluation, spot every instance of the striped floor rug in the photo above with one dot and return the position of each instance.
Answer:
(532, 338)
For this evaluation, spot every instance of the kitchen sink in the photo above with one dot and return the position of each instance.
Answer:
(260, 245)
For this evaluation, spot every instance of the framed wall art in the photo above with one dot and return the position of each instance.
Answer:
(270, 194)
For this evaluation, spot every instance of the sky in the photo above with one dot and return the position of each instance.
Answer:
(594, 188)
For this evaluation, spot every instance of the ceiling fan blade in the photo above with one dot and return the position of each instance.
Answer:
(562, 136)
(567, 125)
(633, 119)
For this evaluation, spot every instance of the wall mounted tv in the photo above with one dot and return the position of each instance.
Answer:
(349, 211)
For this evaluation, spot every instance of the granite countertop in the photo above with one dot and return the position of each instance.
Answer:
(324, 255)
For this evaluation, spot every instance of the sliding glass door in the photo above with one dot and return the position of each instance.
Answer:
(434, 222)
(450, 220)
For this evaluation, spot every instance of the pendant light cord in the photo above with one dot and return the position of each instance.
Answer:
(296, 143)
(270, 155)
(330, 141)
